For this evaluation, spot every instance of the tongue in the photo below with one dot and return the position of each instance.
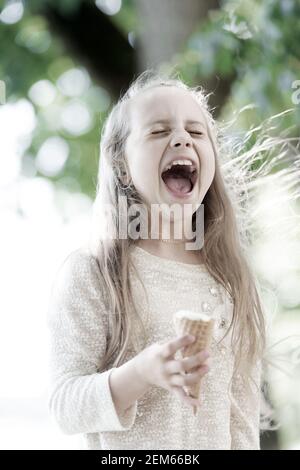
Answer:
(178, 184)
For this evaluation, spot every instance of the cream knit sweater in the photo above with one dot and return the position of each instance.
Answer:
(80, 400)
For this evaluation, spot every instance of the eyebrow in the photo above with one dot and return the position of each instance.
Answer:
(167, 121)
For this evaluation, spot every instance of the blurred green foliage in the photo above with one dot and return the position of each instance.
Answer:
(255, 45)
(31, 53)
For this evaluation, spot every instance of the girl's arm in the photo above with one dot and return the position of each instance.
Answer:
(125, 377)
(245, 413)
(80, 398)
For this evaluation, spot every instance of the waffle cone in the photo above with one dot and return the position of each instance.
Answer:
(202, 330)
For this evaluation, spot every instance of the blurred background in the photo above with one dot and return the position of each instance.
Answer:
(62, 66)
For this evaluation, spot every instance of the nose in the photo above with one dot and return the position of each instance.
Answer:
(182, 139)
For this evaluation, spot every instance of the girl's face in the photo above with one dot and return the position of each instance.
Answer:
(167, 124)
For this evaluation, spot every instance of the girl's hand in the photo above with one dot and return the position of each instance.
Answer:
(156, 365)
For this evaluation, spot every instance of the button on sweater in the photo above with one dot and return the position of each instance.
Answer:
(80, 399)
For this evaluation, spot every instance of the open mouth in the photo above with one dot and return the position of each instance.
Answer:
(180, 180)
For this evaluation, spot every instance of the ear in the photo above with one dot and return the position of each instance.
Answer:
(125, 179)
(125, 173)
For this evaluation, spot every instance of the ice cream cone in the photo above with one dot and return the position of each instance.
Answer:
(201, 326)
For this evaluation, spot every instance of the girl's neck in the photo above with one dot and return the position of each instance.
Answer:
(171, 250)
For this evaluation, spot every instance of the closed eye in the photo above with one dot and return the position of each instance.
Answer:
(191, 132)
(158, 132)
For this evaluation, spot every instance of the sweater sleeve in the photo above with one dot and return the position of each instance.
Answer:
(245, 412)
(79, 397)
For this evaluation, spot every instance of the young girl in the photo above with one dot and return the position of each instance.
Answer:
(117, 375)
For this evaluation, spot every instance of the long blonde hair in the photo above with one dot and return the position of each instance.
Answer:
(226, 240)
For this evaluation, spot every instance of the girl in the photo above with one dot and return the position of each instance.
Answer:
(117, 375)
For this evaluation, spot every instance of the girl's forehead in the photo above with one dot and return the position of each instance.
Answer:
(165, 103)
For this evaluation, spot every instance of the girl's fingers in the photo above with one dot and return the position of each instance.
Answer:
(186, 364)
(180, 392)
(189, 379)
(174, 367)
(170, 348)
